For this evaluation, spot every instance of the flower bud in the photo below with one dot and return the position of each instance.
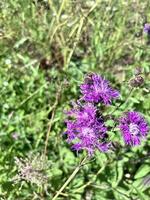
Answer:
(137, 81)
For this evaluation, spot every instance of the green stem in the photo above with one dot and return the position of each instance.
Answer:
(53, 108)
(70, 178)
(91, 181)
(123, 102)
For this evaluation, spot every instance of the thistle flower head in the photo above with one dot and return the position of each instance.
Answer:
(83, 114)
(133, 127)
(86, 130)
(96, 89)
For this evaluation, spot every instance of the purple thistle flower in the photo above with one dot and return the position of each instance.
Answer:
(96, 89)
(86, 130)
(147, 28)
(83, 114)
(133, 127)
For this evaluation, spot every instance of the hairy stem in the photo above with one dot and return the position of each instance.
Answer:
(130, 92)
(53, 108)
(91, 181)
(70, 178)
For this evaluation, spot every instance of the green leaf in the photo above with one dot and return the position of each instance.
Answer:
(142, 171)
(139, 184)
(141, 195)
(110, 123)
(67, 157)
(146, 103)
(119, 172)
(119, 196)
(101, 158)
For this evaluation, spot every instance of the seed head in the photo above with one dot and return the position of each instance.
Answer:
(31, 169)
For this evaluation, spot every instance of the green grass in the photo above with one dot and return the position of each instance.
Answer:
(48, 44)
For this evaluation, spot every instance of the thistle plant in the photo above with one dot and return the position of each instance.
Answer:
(101, 149)
(86, 123)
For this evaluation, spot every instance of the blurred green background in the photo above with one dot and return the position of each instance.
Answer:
(46, 48)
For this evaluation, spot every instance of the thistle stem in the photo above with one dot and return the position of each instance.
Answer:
(93, 180)
(53, 109)
(130, 92)
(70, 178)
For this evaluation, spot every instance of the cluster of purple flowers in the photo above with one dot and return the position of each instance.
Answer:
(86, 129)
